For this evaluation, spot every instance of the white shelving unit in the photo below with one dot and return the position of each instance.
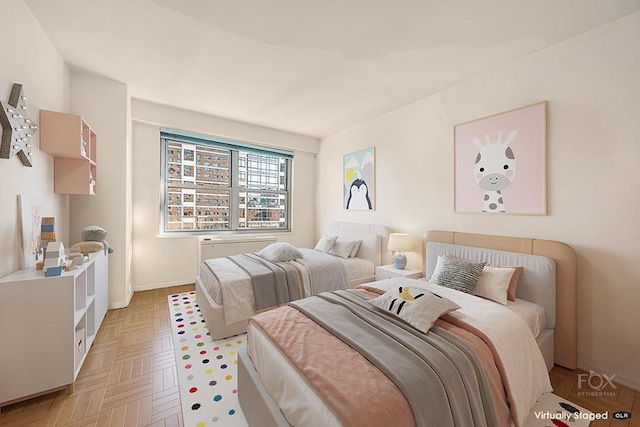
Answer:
(47, 326)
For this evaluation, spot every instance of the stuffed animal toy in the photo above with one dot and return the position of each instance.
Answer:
(93, 233)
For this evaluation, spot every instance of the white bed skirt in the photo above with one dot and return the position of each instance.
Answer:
(213, 314)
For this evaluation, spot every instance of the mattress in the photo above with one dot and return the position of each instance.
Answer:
(355, 268)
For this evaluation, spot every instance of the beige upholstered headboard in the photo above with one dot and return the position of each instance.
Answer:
(565, 333)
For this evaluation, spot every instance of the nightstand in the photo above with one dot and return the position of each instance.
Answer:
(388, 271)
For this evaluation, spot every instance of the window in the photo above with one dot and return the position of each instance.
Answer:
(219, 185)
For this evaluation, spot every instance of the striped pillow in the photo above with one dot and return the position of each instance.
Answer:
(459, 274)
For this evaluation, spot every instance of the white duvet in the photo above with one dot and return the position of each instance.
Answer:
(524, 365)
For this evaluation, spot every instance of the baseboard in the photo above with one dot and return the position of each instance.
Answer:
(125, 303)
(121, 304)
(617, 378)
(162, 285)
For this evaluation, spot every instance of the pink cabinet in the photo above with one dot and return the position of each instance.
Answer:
(72, 142)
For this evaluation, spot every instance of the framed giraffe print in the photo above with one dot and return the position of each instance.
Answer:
(500, 163)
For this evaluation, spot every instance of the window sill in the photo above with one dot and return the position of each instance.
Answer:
(226, 235)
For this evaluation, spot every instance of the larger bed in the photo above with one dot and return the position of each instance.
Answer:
(226, 318)
(272, 390)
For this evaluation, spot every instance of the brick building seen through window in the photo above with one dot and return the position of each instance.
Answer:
(219, 188)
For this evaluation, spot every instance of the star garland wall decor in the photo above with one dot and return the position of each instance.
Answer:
(17, 128)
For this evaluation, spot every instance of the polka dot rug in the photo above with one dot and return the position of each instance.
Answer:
(207, 369)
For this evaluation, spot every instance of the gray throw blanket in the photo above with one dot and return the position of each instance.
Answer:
(273, 284)
(439, 374)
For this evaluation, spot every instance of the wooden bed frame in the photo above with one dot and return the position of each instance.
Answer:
(261, 410)
(374, 248)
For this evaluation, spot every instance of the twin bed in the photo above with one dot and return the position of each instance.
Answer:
(311, 377)
(224, 289)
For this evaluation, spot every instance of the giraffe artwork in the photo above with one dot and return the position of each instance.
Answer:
(494, 169)
(500, 163)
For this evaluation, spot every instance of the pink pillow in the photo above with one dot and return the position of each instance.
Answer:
(511, 291)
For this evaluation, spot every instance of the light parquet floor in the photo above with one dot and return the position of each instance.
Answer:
(129, 378)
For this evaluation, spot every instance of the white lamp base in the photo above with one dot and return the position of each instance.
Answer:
(399, 260)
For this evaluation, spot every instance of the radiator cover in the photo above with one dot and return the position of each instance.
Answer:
(218, 248)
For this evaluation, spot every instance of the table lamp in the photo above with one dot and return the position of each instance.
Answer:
(399, 242)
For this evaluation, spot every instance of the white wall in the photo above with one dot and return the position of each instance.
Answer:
(592, 83)
(163, 261)
(105, 105)
(26, 54)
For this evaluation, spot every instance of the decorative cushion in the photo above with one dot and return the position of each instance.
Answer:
(280, 252)
(513, 283)
(93, 233)
(459, 274)
(86, 247)
(342, 248)
(494, 283)
(325, 243)
(416, 306)
(356, 246)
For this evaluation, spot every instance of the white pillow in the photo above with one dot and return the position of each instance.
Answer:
(342, 248)
(494, 282)
(356, 246)
(325, 243)
(280, 252)
(416, 306)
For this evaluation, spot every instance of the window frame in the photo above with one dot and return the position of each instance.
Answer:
(234, 147)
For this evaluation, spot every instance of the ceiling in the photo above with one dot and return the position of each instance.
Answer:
(311, 67)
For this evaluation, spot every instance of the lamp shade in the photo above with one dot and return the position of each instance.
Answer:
(400, 242)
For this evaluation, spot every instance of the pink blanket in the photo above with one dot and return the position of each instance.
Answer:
(358, 392)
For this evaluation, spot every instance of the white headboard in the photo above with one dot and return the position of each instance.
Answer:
(537, 282)
(374, 239)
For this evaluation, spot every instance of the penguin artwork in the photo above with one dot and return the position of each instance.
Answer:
(359, 196)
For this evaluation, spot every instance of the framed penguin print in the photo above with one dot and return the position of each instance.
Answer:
(359, 180)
